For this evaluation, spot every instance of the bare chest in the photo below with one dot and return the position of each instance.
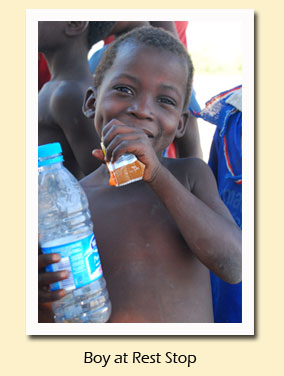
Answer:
(132, 221)
(145, 260)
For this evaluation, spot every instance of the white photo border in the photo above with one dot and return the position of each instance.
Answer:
(246, 16)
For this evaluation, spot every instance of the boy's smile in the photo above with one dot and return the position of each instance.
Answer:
(141, 91)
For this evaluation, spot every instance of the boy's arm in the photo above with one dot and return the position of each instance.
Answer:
(203, 220)
(66, 108)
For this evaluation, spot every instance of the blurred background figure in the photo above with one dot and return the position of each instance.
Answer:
(65, 46)
(225, 112)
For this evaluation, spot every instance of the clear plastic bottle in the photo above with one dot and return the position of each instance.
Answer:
(65, 227)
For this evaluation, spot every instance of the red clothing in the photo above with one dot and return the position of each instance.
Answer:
(43, 72)
(171, 151)
(181, 27)
(109, 39)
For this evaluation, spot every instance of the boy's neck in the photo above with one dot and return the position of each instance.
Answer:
(69, 62)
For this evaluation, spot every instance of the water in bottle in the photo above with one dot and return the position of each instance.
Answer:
(65, 227)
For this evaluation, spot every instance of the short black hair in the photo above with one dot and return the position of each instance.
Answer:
(152, 37)
(99, 30)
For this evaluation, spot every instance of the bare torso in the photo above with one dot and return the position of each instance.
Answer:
(49, 130)
(151, 274)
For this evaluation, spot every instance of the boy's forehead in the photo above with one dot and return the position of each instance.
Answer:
(136, 53)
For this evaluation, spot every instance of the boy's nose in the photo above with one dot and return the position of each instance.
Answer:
(141, 108)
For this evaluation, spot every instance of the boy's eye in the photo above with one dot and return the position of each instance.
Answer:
(124, 89)
(167, 100)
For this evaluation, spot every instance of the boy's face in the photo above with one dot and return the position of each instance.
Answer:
(144, 88)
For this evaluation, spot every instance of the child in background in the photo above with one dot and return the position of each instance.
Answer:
(65, 46)
(158, 237)
(225, 111)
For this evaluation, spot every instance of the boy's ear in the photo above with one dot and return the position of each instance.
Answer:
(182, 124)
(89, 103)
(76, 27)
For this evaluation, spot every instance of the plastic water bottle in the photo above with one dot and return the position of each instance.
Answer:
(65, 227)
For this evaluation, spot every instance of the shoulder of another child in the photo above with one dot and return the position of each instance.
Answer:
(66, 93)
(67, 100)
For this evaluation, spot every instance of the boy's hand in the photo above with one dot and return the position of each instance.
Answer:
(119, 138)
(46, 278)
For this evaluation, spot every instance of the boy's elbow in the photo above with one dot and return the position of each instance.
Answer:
(232, 276)
(234, 263)
(235, 279)
(231, 272)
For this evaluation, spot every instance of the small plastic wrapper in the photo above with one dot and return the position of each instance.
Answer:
(127, 169)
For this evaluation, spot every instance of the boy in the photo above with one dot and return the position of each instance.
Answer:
(65, 46)
(188, 145)
(157, 237)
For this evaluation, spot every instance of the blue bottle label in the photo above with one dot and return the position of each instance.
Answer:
(81, 259)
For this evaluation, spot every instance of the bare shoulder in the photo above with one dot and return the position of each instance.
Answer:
(45, 112)
(67, 93)
(189, 171)
(66, 107)
(59, 95)
(198, 178)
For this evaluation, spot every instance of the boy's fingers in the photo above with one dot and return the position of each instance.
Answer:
(121, 132)
(99, 154)
(50, 296)
(47, 259)
(47, 278)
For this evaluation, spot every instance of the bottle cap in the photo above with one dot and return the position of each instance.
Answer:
(45, 152)
(49, 149)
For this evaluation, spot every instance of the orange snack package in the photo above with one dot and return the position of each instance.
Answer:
(127, 169)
